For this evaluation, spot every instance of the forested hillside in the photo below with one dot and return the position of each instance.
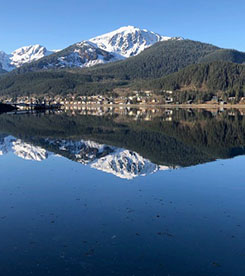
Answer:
(225, 55)
(152, 69)
(215, 76)
(159, 60)
(56, 83)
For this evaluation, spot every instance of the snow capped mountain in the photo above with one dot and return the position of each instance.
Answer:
(117, 45)
(22, 149)
(23, 55)
(28, 54)
(120, 44)
(128, 41)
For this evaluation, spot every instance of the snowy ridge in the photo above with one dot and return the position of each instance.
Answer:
(23, 55)
(82, 54)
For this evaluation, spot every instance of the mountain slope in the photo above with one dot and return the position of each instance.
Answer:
(82, 54)
(160, 60)
(117, 45)
(225, 55)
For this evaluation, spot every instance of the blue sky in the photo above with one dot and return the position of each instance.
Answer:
(60, 23)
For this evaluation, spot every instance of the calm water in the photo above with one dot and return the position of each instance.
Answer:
(158, 194)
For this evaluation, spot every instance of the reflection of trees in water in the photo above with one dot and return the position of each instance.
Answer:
(191, 137)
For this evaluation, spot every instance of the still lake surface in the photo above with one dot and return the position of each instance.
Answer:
(130, 193)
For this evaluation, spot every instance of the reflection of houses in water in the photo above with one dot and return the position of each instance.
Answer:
(142, 113)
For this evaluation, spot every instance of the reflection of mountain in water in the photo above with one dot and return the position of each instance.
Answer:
(22, 149)
(118, 161)
(191, 137)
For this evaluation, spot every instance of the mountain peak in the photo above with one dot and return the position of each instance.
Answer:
(127, 41)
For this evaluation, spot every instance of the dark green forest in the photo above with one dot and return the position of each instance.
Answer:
(201, 82)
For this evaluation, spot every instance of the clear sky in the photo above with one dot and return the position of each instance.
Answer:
(60, 23)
